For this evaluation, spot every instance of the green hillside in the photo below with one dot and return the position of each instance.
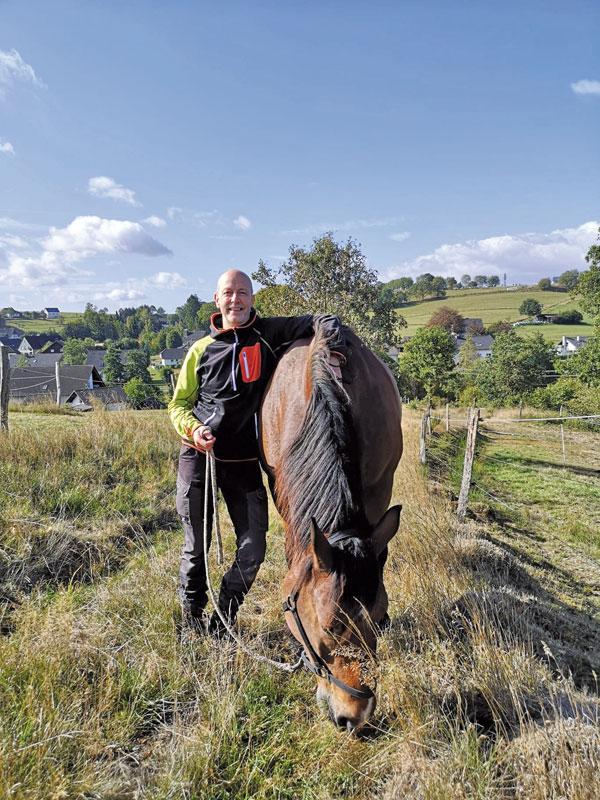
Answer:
(46, 325)
(493, 305)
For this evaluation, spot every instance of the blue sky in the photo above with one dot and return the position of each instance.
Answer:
(147, 146)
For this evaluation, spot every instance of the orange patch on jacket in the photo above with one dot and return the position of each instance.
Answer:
(250, 363)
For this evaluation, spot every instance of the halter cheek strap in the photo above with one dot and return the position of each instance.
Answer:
(313, 661)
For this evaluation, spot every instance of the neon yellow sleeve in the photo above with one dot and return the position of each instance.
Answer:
(186, 391)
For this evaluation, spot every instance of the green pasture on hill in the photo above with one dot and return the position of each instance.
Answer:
(46, 325)
(494, 305)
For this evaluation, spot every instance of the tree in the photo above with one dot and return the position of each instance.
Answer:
(502, 326)
(277, 300)
(516, 367)
(465, 279)
(74, 352)
(586, 363)
(173, 338)
(493, 281)
(114, 371)
(480, 280)
(333, 278)
(188, 311)
(428, 362)
(438, 286)
(423, 286)
(588, 288)
(467, 360)
(139, 391)
(137, 366)
(451, 283)
(569, 279)
(447, 318)
(403, 283)
(545, 284)
(204, 314)
(530, 307)
(572, 317)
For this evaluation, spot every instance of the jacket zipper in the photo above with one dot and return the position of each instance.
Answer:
(245, 359)
(235, 344)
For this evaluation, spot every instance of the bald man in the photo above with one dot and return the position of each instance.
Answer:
(214, 407)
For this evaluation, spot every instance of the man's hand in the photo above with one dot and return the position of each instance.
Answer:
(203, 438)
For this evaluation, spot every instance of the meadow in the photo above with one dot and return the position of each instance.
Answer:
(101, 697)
(495, 305)
(46, 325)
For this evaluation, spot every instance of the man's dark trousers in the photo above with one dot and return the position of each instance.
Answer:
(242, 488)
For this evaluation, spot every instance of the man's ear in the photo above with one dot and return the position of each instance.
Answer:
(216, 299)
(321, 549)
(386, 529)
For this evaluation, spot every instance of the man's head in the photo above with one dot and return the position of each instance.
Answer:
(234, 298)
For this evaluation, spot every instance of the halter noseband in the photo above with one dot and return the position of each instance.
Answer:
(315, 663)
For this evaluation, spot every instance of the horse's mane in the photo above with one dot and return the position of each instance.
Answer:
(314, 476)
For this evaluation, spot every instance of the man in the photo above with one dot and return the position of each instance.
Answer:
(214, 408)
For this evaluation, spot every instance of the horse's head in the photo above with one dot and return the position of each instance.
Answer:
(335, 598)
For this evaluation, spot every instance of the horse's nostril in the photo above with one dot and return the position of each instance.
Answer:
(344, 722)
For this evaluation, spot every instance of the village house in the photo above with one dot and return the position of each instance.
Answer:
(96, 358)
(109, 398)
(483, 346)
(51, 313)
(34, 384)
(172, 356)
(33, 342)
(569, 345)
(10, 332)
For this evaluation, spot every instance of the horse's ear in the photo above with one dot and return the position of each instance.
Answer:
(386, 529)
(322, 555)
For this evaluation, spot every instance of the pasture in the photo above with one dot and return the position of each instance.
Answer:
(46, 325)
(494, 305)
(100, 698)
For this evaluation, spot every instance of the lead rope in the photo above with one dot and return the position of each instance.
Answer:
(210, 478)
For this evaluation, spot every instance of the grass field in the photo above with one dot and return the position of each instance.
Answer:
(46, 325)
(494, 305)
(100, 698)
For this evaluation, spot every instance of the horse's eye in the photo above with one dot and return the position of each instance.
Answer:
(335, 629)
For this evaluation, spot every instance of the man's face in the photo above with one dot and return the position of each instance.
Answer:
(234, 298)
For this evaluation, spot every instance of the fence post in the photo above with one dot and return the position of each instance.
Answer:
(447, 417)
(57, 375)
(4, 387)
(423, 438)
(562, 437)
(463, 497)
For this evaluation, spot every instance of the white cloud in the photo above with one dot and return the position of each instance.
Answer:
(119, 295)
(10, 240)
(6, 147)
(201, 219)
(86, 236)
(174, 211)
(586, 86)
(15, 224)
(242, 222)
(101, 186)
(525, 257)
(63, 248)
(167, 280)
(348, 225)
(13, 70)
(400, 237)
(156, 222)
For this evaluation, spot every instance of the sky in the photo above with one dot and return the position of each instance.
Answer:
(146, 146)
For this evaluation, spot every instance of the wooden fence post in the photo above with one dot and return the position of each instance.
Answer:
(465, 486)
(423, 438)
(562, 438)
(4, 387)
(447, 417)
(57, 375)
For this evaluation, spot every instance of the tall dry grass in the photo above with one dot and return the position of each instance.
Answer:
(100, 697)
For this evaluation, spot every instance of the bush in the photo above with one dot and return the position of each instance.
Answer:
(572, 317)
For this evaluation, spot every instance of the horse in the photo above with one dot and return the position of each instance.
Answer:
(330, 448)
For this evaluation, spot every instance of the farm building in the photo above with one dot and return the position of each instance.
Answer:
(172, 356)
(33, 342)
(43, 360)
(483, 346)
(110, 398)
(32, 384)
(96, 358)
(569, 345)
(51, 313)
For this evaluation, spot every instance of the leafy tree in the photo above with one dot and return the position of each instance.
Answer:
(74, 352)
(569, 279)
(545, 284)
(22, 360)
(588, 288)
(277, 300)
(572, 317)
(493, 281)
(480, 280)
(333, 278)
(468, 358)
(502, 326)
(427, 362)
(516, 367)
(530, 307)
(173, 338)
(188, 311)
(204, 314)
(586, 363)
(403, 283)
(423, 286)
(137, 366)
(139, 391)
(465, 279)
(76, 330)
(438, 286)
(451, 283)
(395, 296)
(114, 371)
(447, 318)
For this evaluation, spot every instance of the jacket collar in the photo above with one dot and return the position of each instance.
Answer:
(216, 322)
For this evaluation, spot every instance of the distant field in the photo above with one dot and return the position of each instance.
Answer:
(493, 305)
(46, 325)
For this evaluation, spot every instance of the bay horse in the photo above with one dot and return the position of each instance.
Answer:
(331, 448)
